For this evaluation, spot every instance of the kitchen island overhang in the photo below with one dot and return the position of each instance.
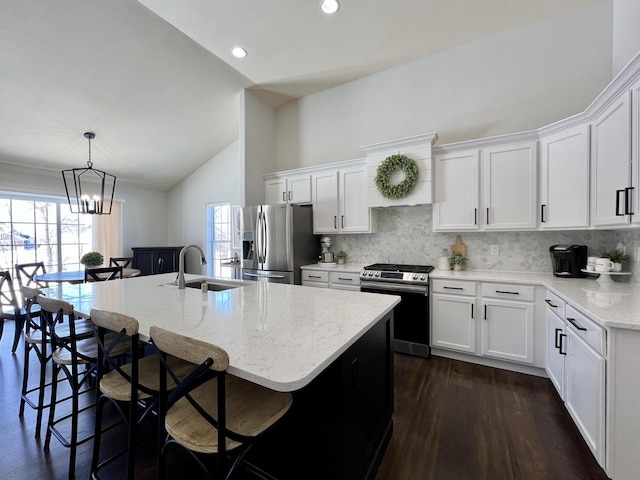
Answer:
(332, 349)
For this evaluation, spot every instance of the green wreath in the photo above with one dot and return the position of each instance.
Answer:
(388, 167)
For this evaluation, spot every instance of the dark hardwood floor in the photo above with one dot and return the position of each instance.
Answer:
(452, 420)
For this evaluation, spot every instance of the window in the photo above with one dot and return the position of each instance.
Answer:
(219, 239)
(35, 229)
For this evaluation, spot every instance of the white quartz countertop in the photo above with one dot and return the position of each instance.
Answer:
(279, 336)
(615, 305)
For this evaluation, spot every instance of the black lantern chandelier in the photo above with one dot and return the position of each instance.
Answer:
(89, 187)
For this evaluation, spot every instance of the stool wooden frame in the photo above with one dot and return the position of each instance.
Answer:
(211, 413)
(8, 298)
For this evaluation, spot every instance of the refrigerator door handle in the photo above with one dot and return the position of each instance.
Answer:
(264, 237)
(259, 238)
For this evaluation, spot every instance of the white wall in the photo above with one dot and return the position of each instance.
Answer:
(258, 145)
(144, 214)
(626, 34)
(517, 80)
(219, 180)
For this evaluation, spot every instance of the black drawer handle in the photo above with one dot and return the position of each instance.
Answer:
(557, 342)
(347, 279)
(562, 335)
(542, 207)
(618, 192)
(454, 288)
(485, 312)
(472, 310)
(315, 276)
(510, 293)
(576, 324)
(550, 303)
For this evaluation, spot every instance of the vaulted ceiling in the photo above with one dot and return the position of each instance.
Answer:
(156, 81)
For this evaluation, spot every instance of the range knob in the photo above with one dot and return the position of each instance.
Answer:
(423, 277)
(371, 274)
(377, 274)
(415, 276)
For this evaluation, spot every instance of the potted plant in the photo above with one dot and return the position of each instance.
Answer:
(456, 260)
(92, 259)
(617, 257)
(340, 257)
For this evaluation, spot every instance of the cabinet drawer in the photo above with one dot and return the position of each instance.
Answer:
(315, 284)
(315, 276)
(555, 303)
(454, 287)
(587, 329)
(508, 291)
(347, 278)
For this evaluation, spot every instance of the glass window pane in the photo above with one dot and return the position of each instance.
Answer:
(22, 211)
(45, 212)
(5, 210)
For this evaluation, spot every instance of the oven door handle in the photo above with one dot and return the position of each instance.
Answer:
(392, 287)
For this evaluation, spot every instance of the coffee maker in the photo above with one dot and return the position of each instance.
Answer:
(568, 260)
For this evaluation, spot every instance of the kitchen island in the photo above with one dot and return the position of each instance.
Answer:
(332, 349)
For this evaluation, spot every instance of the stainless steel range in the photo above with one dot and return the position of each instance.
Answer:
(411, 315)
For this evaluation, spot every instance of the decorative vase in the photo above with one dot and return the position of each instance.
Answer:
(617, 267)
(457, 268)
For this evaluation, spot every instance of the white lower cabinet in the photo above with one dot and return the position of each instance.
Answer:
(453, 323)
(556, 351)
(507, 330)
(501, 328)
(336, 279)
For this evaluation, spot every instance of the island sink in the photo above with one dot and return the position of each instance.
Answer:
(213, 286)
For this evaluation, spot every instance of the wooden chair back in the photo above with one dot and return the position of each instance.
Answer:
(189, 349)
(102, 274)
(26, 274)
(123, 262)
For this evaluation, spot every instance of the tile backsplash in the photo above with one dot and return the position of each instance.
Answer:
(405, 235)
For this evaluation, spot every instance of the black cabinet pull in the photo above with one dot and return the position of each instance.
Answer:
(315, 276)
(485, 312)
(542, 220)
(576, 324)
(557, 341)
(453, 288)
(335, 222)
(284, 199)
(290, 195)
(475, 216)
(487, 215)
(472, 310)
(551, 304)
(510, 293)
(347, 279)
(627, 201)
(562, 335)
(342, 221)
(618, 214)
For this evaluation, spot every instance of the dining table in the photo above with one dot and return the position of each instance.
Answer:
(77, 276)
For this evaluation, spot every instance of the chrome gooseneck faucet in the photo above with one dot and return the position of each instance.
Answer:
(203, 261)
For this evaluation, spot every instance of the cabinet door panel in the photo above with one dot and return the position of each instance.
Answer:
(274, 191)
(457, 191)
(453, 322)
(325, 202)
(354, 211)
(556, 351)
(585, 389)
(510, 187)
(564, 182)
(299, 189)
(611, 162)
(507, 330)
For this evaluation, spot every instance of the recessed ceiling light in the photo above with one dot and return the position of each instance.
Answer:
(329, 6)
(239, 52)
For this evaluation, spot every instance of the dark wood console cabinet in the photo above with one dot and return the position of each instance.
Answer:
(145, 259)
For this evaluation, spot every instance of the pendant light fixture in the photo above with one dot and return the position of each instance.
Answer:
(86, 187)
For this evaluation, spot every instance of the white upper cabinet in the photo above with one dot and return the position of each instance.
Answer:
(510, 186)
(457, 196)
(611, 164)
(492, 185)
(564, 178)
(288, 189)
(340, 201)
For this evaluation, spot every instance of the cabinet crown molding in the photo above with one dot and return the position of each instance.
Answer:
(317, 168)
(479, 143)
(403, 143)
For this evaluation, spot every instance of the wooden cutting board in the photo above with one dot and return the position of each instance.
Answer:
(459, 246)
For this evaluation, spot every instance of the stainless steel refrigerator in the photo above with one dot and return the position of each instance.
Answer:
(276, 241)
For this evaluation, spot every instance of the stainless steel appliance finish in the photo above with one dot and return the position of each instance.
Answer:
(276, 241)
(411, 315)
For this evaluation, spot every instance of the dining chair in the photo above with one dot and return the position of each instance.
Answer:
(132, 388)
(10, 308)
(211, 413)
(123, 262)
(74, 355)
(26, 274)
(102, 274)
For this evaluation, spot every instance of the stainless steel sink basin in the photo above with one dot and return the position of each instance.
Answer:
(212, 285)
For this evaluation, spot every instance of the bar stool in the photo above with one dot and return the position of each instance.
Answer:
(71, 350)
(211, 413)
(10, 308)
(131, 388)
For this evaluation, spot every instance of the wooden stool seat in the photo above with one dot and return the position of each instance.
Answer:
(251, 409)
(115, 386)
